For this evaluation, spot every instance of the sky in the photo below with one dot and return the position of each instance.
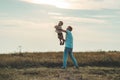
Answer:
(30, 24)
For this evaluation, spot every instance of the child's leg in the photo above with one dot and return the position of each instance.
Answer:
(60, 36)
(63, 41)
(60, 41)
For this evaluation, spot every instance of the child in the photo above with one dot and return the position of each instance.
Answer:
(59, 32)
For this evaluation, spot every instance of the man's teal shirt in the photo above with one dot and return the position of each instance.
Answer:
(69, 39)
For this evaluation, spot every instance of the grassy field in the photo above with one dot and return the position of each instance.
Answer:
(47, 66)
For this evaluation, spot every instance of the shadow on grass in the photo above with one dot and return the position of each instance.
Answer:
(59, 64)
(102, 64)
(32, 65)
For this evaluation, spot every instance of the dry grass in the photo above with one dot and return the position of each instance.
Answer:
(46, 66)
(54, 59)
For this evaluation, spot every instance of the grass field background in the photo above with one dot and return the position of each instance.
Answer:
(47, 66)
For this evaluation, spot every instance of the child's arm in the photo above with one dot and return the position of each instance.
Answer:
(55, 26)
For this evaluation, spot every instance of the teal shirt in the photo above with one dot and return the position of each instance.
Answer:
(69, 39)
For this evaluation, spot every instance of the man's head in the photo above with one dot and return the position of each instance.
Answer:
(60, 23)
(69, 28)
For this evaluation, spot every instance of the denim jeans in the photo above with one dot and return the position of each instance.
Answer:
(65, 57)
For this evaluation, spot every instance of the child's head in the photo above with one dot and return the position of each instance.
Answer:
(69, 28)
(60, 23)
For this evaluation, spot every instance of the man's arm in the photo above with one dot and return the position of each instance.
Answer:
(63, 30)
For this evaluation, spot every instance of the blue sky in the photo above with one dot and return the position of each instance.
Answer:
(30, 24)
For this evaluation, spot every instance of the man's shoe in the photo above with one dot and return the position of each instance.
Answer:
(63, 67)
(77, 67)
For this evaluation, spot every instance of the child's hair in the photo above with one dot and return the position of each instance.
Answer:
(70, 28)
(60, 23)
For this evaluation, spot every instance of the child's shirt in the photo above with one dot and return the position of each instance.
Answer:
(57, 29)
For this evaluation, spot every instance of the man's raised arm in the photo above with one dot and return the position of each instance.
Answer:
(63, 30)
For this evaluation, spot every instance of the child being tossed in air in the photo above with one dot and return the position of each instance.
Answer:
(59, 32)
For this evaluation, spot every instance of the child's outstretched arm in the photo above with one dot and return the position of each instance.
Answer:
(55, 26)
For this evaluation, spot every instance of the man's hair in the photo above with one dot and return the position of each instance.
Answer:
(70, 28)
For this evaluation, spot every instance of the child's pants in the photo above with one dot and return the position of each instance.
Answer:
(65, 56)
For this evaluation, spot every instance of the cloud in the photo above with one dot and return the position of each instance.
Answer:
(17, 23)
(82, 20)
(94, 4)
(103, 16)
(89, 35)
(3, 14)
(23, 27)
(30, 29)
(54, 13)
(118, 12)
(24, 23)
(80, 4)
(56, 3)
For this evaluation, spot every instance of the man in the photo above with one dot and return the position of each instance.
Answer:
(68, 48)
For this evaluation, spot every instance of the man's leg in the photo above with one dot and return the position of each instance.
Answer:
(65, 56)
(73, 58)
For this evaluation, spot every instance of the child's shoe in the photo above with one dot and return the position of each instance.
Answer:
(61, 43)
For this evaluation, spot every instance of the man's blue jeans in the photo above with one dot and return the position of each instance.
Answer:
(65, 57)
